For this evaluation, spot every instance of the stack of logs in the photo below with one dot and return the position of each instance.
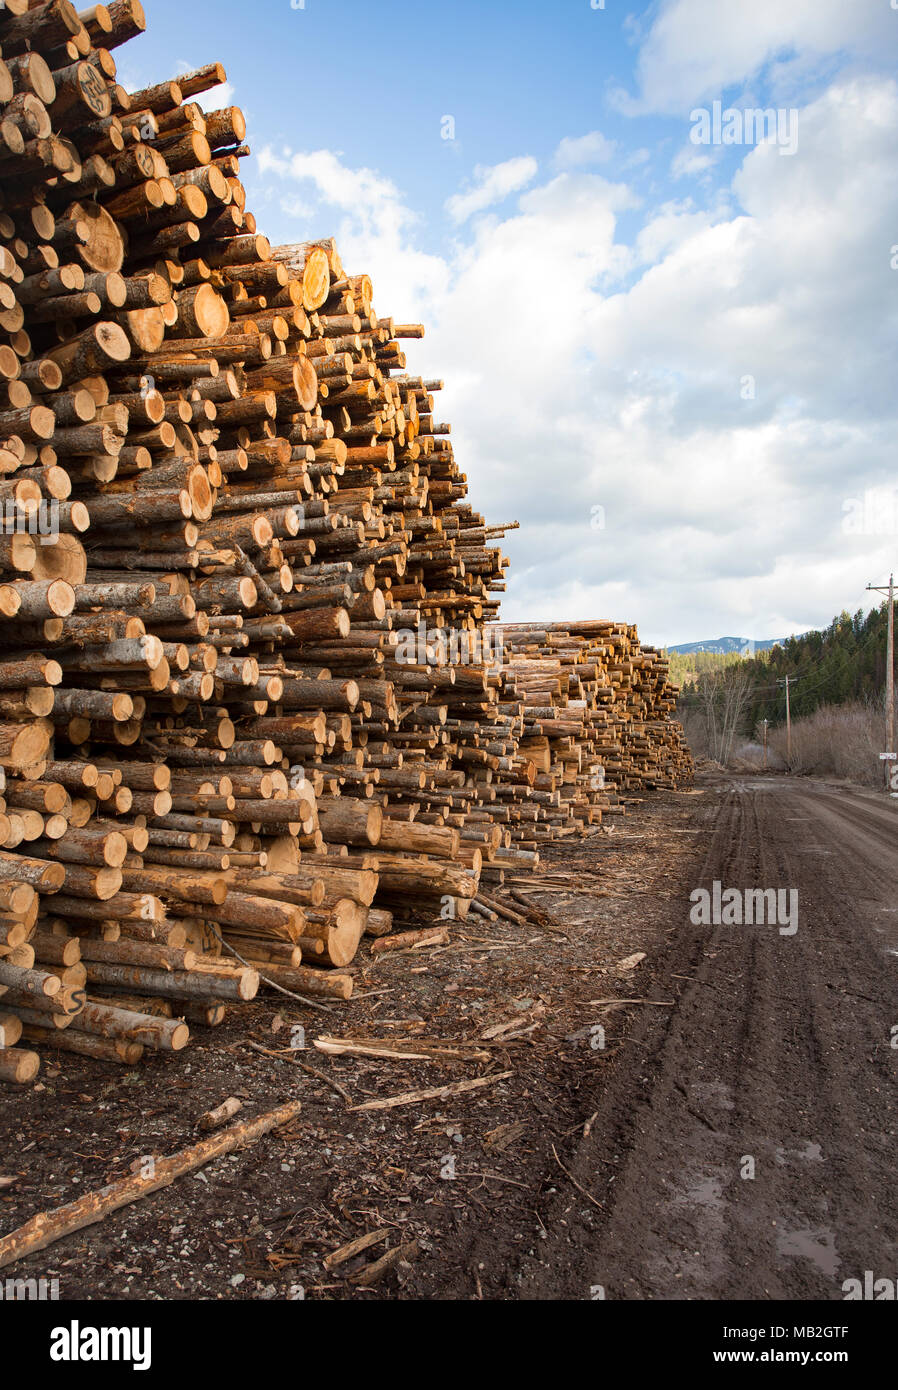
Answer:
(249, 710)
(598, 719)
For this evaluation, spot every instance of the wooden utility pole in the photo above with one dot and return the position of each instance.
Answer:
(890, 673)
(765, 724)
(786, 682)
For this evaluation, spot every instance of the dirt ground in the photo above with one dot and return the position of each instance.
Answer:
(729, 1135)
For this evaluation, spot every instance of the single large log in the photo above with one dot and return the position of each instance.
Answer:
(37, 873)
(412, 876)
(17, 1065)
(332, 935)
(100, 346)
(202, 313)
(310, 263)
(350, 822)
(177, 984)
(85, 1044)
(10, 1029)
(93, 235)
(260, 916)
(34, 982)
(167, 1034)
(317, 983)
(22, 745)
(406, 836)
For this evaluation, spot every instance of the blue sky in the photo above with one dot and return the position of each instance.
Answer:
(508, 73)
(673, 362)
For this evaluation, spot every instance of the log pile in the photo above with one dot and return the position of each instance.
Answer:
(248, 706)
(598, 719)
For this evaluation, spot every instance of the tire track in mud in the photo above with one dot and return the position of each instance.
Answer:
(779, 1052)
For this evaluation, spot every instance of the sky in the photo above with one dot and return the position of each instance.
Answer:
(666, 329)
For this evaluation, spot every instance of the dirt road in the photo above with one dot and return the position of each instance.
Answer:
(586, 1165)
(745, 1148)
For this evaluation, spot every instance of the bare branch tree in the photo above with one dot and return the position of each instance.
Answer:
(725, 697)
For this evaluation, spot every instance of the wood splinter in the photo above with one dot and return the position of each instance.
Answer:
(213, 1119)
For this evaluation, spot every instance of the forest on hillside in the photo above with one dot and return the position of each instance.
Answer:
(725, 699)
(843, 662)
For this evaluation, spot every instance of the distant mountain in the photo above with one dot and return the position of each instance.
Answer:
(723, 645)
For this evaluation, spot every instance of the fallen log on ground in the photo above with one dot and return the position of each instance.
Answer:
(49, 1226)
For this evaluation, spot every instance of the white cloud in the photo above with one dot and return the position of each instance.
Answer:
(722, 513)
(492, 184)
(720, 386)
(672, 224)
(593, 148)
(374, 228)
(691, 163)
(697, 48)
(297, 208)
(361, 190)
